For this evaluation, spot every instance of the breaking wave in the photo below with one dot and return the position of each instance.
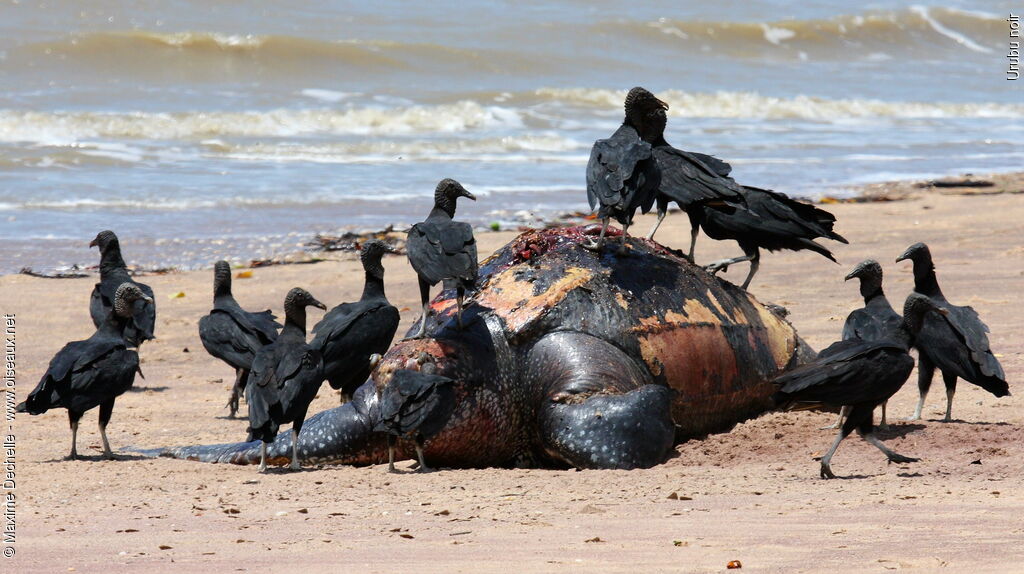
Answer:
(917, 30)
(66, 128)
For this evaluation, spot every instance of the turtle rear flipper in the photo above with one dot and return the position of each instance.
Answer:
(600, 410)
(342, 435)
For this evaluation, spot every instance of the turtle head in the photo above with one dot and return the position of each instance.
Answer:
(428, 356)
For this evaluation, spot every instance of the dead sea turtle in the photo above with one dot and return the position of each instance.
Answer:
(568, 358)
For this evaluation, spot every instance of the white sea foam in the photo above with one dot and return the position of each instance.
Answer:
(64, 128)
(754, 105)
(539, 147)
(957, 37)
(776, 35)
(330, 96)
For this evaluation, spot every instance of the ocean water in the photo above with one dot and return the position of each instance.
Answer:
(202, 130)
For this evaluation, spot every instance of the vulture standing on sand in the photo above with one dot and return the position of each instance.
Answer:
(857, 374)
(622, 174)
(90, 373)
(233, 334)
(440, 248)
(414, 404)
(955, 343)
(875, 321)
(351, 332)
(114, 272)
(769, 220)
(285, 378)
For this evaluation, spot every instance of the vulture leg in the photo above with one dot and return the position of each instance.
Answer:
(693, 240)
(839, 421)
(661, 217)
(391, 453)
(236, 391)
(892, 456)
(425, 299)
(596, 245)
(950, 380)
(295, 449)
(419, 454)
(73, 418)
(826, 461)
(460, 295)
(755, 262)
(263, 457)
(925, 372)
(106, 410)
(625, 236)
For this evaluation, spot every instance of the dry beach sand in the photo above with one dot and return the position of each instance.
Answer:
(751, 495)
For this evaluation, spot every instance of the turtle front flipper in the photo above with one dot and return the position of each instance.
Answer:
(341, 435)
(600, 409)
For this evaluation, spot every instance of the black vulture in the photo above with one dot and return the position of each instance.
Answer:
(875, 321)
(857, 374)
(285, 378)
(956, 344)
(769, 220)
(622, 174)
(694, 181)
(94, 372)
(440, 248)
(351, 332)
(414, 404)
(233, 334)
(114, 272)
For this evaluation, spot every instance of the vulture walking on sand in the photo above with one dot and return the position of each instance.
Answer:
(351, 332)
(956, 343)
(442, 249)
(857, 374)
(94, 372)
(285, 378)
(875, 321)
(622, 173)
(233, 334)
(114, 273)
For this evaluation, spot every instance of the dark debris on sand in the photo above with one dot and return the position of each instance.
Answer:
(77, 272)
(352, 241)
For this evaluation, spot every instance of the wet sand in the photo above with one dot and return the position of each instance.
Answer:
(751, 495)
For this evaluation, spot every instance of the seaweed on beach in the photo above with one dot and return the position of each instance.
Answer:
(73, 273)
(351, 241)
(76, 272)
(255, 263)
